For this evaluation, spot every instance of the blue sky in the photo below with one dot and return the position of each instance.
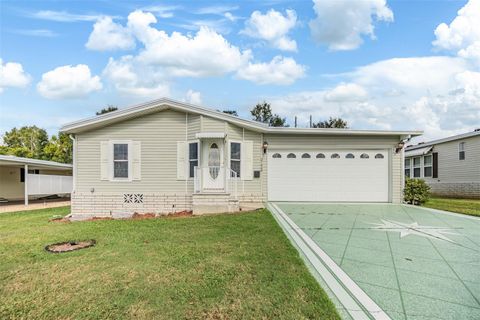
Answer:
(379, 64)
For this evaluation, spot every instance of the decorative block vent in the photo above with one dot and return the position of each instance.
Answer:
(133, 198)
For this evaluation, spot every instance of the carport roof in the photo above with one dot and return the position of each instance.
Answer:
(169, 104)
(12, 160)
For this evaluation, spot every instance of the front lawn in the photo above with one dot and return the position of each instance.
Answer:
(218, 267)
(465, 206)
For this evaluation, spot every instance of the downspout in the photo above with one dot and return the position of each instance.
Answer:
(74, 158)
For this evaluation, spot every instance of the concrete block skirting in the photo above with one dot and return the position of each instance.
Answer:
(469, 190)
(88, 205)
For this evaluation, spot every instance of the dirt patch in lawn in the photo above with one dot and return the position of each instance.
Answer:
(180, 214)
(69, 246)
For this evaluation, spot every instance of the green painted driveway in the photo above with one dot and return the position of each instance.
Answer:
(412, 262)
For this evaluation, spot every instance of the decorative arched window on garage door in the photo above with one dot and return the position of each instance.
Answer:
(335, 156)
(276, 155)
(291, 156)
(306, 156)
(379, 156)
(364, 156)
(349, 156)
(320, 156)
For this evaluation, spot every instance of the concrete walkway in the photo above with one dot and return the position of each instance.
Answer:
(33, 205)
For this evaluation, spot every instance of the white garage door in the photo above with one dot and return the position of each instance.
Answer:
(337, 176)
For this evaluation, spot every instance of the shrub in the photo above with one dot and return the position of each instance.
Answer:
(416, 191)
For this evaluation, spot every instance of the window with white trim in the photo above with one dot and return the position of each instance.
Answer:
(416, 167)
(235, 157)
(192, 158)
(407, 168)
(461, 151)
(427, 166)
(120, 161)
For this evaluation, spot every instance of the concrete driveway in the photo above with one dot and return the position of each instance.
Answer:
(386, 261)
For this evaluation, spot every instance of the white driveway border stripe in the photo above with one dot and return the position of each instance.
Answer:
(355, 290)
(351, 306)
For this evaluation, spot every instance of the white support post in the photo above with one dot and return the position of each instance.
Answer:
(26, 184)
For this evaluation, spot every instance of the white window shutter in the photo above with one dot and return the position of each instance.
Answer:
(246, 164)
(181, 160)
(137, 161)
(104, 160)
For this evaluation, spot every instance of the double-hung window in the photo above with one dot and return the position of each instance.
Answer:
(235, 157)
(461, 151)
(416, 167)
(407, 168)
(427, 166)
(120, 161)
(192, 157)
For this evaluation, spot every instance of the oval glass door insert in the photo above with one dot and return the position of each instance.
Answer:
(214, 160)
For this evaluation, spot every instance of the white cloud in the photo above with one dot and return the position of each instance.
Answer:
(130, 77)
(193, 97)
(12, 75)
(463, 33)
(37, 33)
(216, 10)
(272, 27)
(279, 71)
(341, 24)
(206, 53)
(68, 82)
(346, 92)
(162, 11)
(64, 16)
(439, 95)
(108, 35)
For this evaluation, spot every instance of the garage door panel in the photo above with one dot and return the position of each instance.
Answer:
(327, 179)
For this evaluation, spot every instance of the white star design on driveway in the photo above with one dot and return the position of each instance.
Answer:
(415, 229)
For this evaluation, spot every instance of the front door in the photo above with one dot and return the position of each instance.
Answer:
(213, 171)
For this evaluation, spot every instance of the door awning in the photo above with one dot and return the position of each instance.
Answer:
(418, 152)
(204, 135)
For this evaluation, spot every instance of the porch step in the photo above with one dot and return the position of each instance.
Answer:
(208, 203)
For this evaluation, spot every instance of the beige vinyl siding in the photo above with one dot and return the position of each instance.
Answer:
(450, 168)
(10, 187)
(158, 134)
(194, 125)
(397, 177)
(212, 125)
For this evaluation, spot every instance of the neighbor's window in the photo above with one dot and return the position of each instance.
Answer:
(416, 167)
(461, 151)
(306, 156)
(120, 160)
(427, 166)
(235, 157)
(193, 157)
(407, 168)
(291, 156)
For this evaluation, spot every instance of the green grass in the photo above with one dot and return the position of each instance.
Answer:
(217, 267)
(465, 206)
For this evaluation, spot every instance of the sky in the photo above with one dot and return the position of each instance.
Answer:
(388, 65)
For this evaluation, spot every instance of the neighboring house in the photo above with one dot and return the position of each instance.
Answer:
(166, 156)
(450, 166)
(24, 178)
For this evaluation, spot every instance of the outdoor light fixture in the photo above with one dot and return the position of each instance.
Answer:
(265, 146)
(400, 146)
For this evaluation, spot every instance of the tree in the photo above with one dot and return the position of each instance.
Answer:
(59, 149)
(262, 112)
(331, 123)
(108, 109)
(28, 142)
(231, 112)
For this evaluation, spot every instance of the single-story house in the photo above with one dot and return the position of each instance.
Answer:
(165, 156)
(24, 178)
(450, 166)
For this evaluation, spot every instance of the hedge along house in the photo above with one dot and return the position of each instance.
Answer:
(165, 156)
